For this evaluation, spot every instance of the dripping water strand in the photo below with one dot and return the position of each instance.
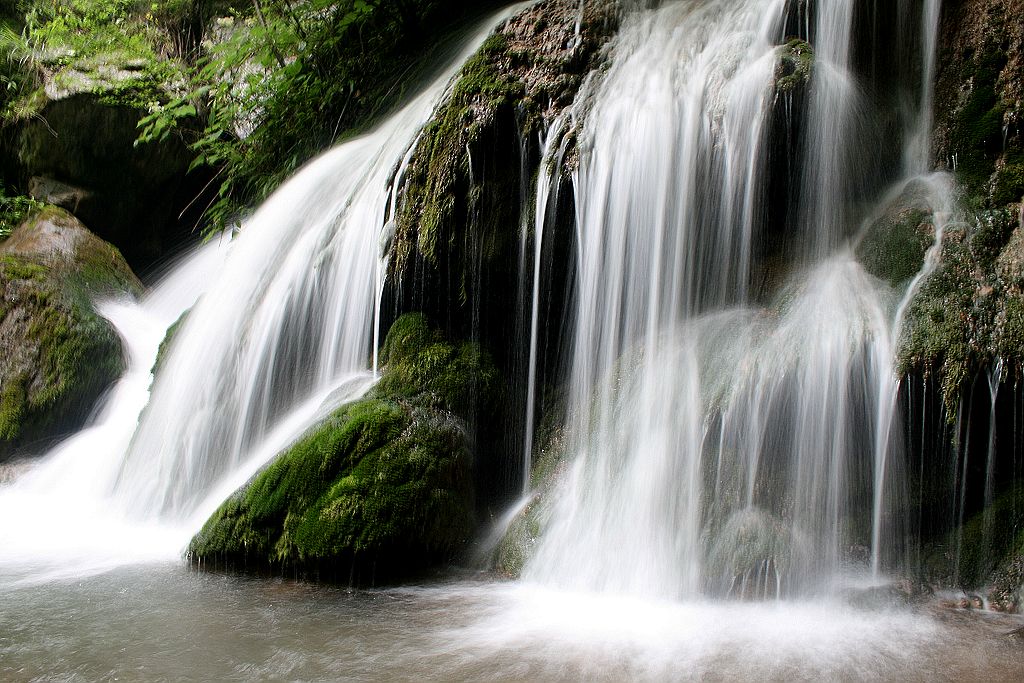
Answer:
(548, 182)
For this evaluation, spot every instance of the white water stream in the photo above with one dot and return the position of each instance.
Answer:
(720, 444)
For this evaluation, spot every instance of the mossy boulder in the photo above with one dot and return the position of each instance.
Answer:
(893, 245)
(795, 66)
(59, 354)
(383, 489)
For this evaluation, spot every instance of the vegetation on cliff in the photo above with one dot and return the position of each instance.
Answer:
(460, 200)
(970, 312)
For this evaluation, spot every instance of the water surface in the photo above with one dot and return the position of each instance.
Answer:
(165, 622)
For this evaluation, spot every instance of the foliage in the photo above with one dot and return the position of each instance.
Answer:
(115, 47)
(18, 78)
(13, 210)
(288, 79)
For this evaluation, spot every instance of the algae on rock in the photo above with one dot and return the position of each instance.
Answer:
(980, 98)
(795, 66)
(967, 313)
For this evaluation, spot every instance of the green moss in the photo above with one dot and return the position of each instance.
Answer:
(520, 540)
(1008, 184)
(987, 540)
(165, 343)
(407, 336)
(895, 245)
(257, 519)
(977, 127)
(385, 480)
(62, 354)
(483, 89)
(968, 312)
(13, 400)
(795, 66)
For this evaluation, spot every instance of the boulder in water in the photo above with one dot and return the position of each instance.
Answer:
(381, 490)
(795, 65)
(59, 354)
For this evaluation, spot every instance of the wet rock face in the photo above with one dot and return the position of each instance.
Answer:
(467, 193)
(59, 354)
(969, 312)
(979, 112)
(461, 197)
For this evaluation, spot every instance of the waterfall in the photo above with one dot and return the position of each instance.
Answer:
(734, 427)
(293, 319)
(278, 332)
(67, 521)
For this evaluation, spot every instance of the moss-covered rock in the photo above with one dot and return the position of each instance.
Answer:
(969, 311)
(165, 343)
(980, 97)
(520, 539)
(382, 489)
(59, 354)
(795, 66)
(986, 551)
(461, 203)
(894, 244)
(84, 74)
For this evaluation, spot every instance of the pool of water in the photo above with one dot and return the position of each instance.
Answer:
(164, 621)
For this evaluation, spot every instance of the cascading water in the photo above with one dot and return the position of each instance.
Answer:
(293, 315)
(70, 525)
(732, 406)
(284, 332)
(721, 447)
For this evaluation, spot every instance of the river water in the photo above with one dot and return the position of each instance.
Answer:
(164, 621)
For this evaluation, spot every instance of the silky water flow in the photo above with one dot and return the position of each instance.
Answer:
(733, 429)
(723, 441)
